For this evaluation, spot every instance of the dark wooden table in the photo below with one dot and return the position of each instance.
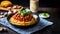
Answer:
(54, 29)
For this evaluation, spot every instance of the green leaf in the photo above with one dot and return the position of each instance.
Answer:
(22, 14)
(24, 11)
(45, 14)
(29, 11)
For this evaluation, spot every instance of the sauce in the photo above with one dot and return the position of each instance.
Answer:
(25, 18)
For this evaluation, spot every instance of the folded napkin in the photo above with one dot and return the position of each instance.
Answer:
(42, 24)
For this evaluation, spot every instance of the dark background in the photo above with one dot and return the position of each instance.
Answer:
(42, 3)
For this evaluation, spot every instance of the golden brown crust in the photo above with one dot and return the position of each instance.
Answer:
(19, 23)
(6, 3)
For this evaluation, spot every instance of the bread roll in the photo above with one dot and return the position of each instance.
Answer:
(6, 3)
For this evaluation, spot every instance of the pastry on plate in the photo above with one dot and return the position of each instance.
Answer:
(6, 4)
(23, 18)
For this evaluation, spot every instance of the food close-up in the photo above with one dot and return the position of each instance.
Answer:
(23, 18)
(29, 17)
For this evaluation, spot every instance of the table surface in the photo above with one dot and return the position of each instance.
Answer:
(54, 29)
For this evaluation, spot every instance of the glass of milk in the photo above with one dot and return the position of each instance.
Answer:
(34, 5)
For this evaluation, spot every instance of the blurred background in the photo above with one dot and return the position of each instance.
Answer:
(42, 3)
(51, 6)
(45, 5)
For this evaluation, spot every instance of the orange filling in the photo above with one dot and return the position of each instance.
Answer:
(25, 18)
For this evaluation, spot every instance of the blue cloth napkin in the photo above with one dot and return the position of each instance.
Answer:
(42, 24)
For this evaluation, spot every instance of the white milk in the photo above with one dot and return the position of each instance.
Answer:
(34, 4)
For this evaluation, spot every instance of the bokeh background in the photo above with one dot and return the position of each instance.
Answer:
(42, 3)
(51, 6)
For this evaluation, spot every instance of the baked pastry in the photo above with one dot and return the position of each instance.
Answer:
(6, 3)
(23, 18)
